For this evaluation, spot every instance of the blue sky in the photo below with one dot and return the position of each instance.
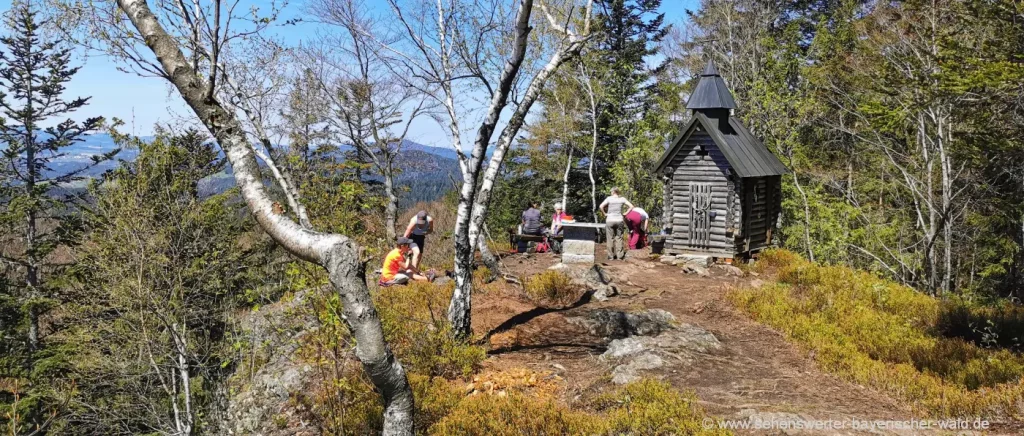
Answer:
(144, 101)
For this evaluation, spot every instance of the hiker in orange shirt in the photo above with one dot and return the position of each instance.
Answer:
(398, 269)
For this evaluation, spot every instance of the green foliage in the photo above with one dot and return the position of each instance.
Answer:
(629, 35)
(418, 332)
(38, 225)
(415, 325)
(997, 325)
(652, 407)
(900, 125)
(643, 407)
(158, 274)
(613, 88)
(513, 414)
(876, 332)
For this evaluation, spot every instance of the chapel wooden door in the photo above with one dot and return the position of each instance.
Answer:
(700, 222)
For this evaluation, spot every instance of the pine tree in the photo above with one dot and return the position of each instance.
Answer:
(631, 31)
(160, 270)
(34, 224)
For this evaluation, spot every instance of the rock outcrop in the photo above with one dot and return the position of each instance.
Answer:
(262, 389)
(645, 340)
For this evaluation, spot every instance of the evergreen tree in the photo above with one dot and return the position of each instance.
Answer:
(630, 33)
(160, 271)
(34, 221)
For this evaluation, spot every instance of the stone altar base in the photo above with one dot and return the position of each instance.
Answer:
(578, 242)
(577, 251)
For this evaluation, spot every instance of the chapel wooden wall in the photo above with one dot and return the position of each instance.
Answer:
(690, 168)
(746, 210)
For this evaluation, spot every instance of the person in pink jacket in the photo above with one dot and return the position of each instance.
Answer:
(636, 221)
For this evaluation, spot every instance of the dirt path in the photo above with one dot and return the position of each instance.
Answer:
(756, 372)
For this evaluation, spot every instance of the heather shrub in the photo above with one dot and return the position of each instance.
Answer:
(645, 407)
(652, 407)
(513, 414)
(999, 325)
(552, 288)
(415, 324)
(886, 335)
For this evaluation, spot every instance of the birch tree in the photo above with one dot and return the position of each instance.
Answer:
(371, 108)
(190, 46)
(456, 50)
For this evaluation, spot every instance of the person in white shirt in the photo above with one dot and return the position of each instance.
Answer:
(613, 208)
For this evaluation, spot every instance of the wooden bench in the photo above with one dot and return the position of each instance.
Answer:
(526, 243)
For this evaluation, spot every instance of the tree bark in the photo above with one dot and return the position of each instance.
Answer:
(335, 253)
(488, 257)
(465, 233)
(184, 422)
(807, 209)
(593, 142)
(32, 269)
(565, 179)
(482, 201)
(391, 208)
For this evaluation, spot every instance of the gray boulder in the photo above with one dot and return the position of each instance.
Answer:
(730, 270)
(618, 324)
(696, 269)
(630, 372)
(635, 354)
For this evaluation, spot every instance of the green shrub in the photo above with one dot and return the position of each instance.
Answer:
(643, 408)
(416, 326)
(552, 288)
(343, 401)
(883, 334)
(996, 326)
(652, 407)
(513, 414)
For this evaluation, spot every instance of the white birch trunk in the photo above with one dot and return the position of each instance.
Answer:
(336, 253)
(466, 234)
(474, 202)
(593, 142)
(186, 419)
(565, 179)
(391, 208)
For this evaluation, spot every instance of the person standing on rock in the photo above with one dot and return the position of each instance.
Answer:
(419, 227)
(636, 221)
(614, 223)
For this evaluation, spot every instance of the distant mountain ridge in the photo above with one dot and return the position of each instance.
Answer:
(424, 171)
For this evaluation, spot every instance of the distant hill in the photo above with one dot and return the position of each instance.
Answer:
(423, 170)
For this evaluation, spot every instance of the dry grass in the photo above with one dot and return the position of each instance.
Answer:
(552, 289)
